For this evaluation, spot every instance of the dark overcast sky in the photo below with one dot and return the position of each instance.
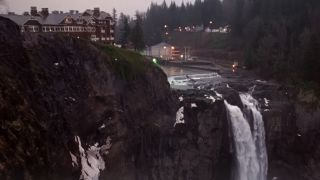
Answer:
(126, 6)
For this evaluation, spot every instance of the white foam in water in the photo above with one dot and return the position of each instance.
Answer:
(250, 149)
(251, 109)
(247, 166)
(185, 81)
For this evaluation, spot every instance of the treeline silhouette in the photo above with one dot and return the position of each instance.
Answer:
(282, 37)
(279, 38)
(162, 18)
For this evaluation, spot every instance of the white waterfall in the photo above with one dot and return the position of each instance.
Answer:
(252, 111)
(250, 148)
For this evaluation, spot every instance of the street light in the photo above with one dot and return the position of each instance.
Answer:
(155, 60)
(211, 26)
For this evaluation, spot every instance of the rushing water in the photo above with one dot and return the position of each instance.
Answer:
(250, 148)
(251, 110)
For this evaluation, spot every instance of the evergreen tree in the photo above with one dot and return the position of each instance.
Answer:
(124, 30)
(137, 38)
(114, 14)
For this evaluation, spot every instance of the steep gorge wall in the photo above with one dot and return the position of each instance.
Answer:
(292, 132)
(53, 89)
(56, 92)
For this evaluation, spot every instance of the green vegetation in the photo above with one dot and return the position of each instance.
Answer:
(126, 63)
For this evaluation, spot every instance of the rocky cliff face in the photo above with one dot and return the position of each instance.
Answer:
(56, 89)
(293, 133)
(70, 110)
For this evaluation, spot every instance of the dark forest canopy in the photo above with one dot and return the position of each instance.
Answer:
(280, 38)
(174, 16)
(199, 13)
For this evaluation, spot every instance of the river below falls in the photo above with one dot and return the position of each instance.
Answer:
(189, 78)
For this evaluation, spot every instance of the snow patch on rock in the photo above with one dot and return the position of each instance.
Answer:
(102, 126)
(91, 160)
(266, 102)
(260, 81)
(211, 98)
(219, 95)
(179, 116)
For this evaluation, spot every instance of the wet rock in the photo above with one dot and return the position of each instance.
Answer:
(203, 147)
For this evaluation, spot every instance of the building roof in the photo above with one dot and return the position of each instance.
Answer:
(18, 19)
(53, 19)
(104, 15)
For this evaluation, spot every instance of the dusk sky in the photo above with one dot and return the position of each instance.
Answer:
(126, 6)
